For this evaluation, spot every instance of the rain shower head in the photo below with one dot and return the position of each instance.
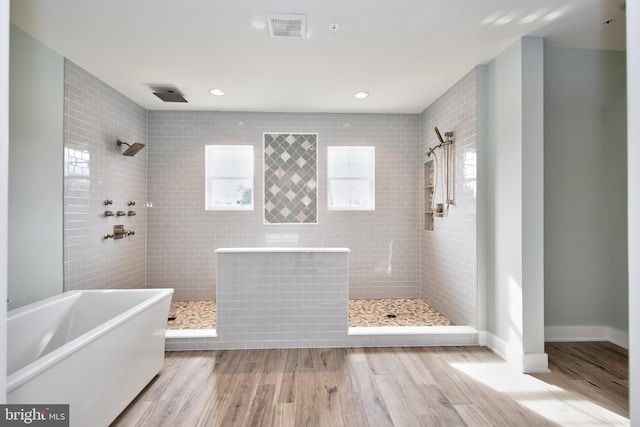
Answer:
(133, 148)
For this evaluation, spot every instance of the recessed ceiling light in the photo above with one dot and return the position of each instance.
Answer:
(361, 95)
(216, 92)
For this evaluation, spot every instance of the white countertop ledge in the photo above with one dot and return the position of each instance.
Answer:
(276, 250)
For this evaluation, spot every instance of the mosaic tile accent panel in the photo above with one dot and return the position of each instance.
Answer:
(290, 178)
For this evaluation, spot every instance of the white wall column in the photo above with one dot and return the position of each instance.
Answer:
(633, 154)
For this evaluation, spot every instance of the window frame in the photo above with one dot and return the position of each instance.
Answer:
(210, 176)
(370, 150)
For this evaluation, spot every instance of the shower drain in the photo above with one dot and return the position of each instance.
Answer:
(391, 316)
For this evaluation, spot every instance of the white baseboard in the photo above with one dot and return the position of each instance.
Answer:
(536, 363)
(482, 338)
(527, 363)
(586, 333)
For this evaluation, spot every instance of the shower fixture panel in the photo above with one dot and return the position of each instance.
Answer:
(445, 166)
(133, 148)
(119, 232)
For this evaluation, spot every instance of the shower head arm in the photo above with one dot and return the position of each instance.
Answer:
(432, 150)
(133, 148)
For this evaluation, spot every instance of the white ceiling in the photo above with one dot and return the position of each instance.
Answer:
(405, 53)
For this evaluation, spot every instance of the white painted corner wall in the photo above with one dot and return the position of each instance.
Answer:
(35, 191)
(4, 185)
(633, 177)
(513, 174)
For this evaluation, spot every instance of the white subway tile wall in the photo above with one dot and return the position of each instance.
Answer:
(449, 277)
(282, 299)
(388, 247)
(96, 116)
(385, 244)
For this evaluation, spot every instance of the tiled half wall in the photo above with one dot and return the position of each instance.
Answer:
(289, 298)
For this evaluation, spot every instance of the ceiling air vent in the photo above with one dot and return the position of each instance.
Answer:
(288, 25)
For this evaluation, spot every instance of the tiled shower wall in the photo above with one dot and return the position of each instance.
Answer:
(385, 243)
(96, 116)
(449, 279)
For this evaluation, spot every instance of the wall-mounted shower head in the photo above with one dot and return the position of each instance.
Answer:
(133, 148)
(447, 135)
(439, 136)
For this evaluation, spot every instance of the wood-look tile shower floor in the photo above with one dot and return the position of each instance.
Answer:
(362, 312)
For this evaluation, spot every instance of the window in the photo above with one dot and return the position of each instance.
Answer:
(351, 178)
(229, 177)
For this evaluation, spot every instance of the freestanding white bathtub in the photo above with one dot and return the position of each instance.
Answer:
(94, 350)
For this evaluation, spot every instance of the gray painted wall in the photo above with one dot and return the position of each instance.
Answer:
(586, 281)
(36, 100)
(533, 195)
(633, 179)
(513, 172)
(4, 184)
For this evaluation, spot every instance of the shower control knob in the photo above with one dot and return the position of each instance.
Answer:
(108, 236)
(108, 213)
(131, 203)
(120, 213)
(129, 232)
(108, 202)
(131, 213)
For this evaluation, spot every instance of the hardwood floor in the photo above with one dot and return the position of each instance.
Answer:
(432, 386)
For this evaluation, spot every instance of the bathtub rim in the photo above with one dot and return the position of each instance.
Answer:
(22, 375)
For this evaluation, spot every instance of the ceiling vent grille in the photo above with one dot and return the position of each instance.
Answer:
(287, 25)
